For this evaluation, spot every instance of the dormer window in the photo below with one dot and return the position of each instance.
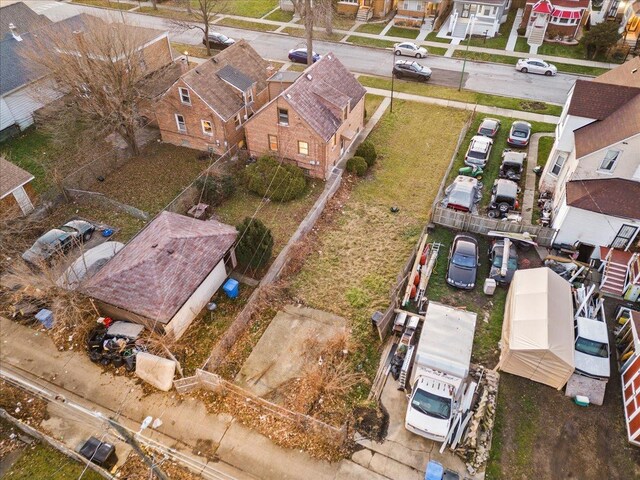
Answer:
(609, 162)
(283, 116)
(185, 98)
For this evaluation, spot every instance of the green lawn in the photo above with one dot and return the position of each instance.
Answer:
(370, 42)
(559, 50)
(280, 16)
(433, 37)
(106, 4)
(374, 28)
(499, 144)
(448, 93)
(246, 24)
(522, 45)
(498, 42)
(403, 32)
(371, 104)
(343, 22)
(199, 51)
(32, 151)
(317, 34)
(40, 462)
(357, 256)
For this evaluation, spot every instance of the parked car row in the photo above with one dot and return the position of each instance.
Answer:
(58, 241)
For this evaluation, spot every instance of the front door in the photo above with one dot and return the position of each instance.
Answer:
(624, 237)
(465, 10)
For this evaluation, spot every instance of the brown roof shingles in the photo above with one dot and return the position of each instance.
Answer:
(617, 197)
(11, 177)
(321, 92)
(626, 75)
(222, 97)
(159, 270)
(599, 100)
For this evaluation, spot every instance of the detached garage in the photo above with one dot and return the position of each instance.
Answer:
(166, 275)
(15, 189)
(537, 331)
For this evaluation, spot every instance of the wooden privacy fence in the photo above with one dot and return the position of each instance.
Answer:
(262, 407)
(475, 223)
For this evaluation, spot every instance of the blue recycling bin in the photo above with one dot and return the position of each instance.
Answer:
(435, 471)
(232, 288)
(45, 317)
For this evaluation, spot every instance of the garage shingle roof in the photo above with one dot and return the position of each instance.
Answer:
(23, 18)
(617, 197)
(11, 177)
(599, 100)
(159, 270)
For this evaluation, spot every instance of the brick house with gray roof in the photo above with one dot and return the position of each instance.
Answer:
(313, 120)
(207, 107)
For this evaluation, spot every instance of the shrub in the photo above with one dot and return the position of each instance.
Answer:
(367, 150)
(215, 187)
(277, 181)
(255, 243)
(357, 165)
(521, 31)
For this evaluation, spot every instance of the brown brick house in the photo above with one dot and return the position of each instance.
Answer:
(553, 18)
(207, 107)
(313, 121)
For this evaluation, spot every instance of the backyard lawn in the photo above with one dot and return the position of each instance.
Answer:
(280, 16)
(32, 151)
(359, 252)
(371, 104)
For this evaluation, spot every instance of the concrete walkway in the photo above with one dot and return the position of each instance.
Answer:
(466, 106)
(513, 35)
(382, 36)
(528, 200)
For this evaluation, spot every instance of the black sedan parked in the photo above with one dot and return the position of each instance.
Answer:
(299, 55)
(218, 41)
(463, 262)
(58, 240)
(409, 69)
(519, 134)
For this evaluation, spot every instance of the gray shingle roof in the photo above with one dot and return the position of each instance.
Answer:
(224, 99)
(321, 92)
(235, 77)
(11, 177)
(159, 270)
(24, 19)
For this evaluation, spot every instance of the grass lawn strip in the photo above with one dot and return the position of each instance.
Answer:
(498, 42)
(374, 28)
(370, 42)
(448, 93)
(371, 104)
(358, 258)
(433, 37)
(280, 16)
(317, 34)
(167, 13)
(522, 45)
(199, 51)
(410, 33)
(105, 4)
(31, 150)
(246, 24)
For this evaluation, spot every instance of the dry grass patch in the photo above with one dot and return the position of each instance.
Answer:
(362, 246)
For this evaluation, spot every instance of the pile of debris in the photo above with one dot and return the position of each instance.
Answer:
(115, 343)
(475, 445)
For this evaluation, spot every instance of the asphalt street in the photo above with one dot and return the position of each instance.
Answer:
(480, 77)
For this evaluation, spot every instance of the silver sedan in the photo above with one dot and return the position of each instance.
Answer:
(535, 65)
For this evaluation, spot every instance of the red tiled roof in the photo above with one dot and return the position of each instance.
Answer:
(159, 270)
(543, 6)
(617, 197)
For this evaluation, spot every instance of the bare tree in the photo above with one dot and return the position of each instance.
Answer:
(312, 11)
(204, 13)
(99, 71)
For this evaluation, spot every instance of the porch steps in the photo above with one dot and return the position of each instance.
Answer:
(615, 275)
(536, 37)
(364, 14)
(460, 30)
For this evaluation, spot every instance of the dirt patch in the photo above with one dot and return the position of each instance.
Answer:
(533, 106)
(24, 406)
(136, 469)
(205, 448)
(372, 422)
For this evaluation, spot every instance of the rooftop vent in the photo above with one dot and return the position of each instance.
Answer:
(14, 32)
(309, 77)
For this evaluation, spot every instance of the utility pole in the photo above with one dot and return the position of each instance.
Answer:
(393, 64)
(466, 52)
(130, 439)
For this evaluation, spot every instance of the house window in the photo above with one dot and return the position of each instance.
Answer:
(207, 127)
(249, 96)
(273, 143)
(609, 162)
(283, 116)
(237, 121)
(184, 96)
(182, 126)
(334, 140)
(303, 148)
(488, 11)
(557, 166)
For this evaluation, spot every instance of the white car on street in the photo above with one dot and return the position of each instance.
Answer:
(535, 65)
(409, 49)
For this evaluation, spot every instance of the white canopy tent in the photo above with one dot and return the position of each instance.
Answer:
(537, 331)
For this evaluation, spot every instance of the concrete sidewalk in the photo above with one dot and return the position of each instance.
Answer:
(528, 199)
(536, 117)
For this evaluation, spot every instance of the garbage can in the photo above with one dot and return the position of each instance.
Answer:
(489, 286)
(435, 471)
(231, 288)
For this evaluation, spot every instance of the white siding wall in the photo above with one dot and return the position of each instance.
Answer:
(626, 166)
(6, 117)
(23, 102)
(588, 227)
(183, 318)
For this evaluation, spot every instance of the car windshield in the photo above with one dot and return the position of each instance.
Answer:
(430, 404)
(591, 347)
(519, 134)
(465, 261)
(476, 154)
(486, 130)
(512, 264)
(222, 38)
(67, 229)
(460, 197)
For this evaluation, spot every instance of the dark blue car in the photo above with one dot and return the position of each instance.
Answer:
(299, 55)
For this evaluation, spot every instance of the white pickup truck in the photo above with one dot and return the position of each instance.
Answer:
(440, 370)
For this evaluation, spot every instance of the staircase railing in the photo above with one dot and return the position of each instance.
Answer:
(453, 20)
(633, 272)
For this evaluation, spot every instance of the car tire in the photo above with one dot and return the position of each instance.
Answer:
(418, 55)
(492, 214)
(87, 236)
(503, 207)
(524, 70)
(398, 75)
(548, 73)
(398, 53)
